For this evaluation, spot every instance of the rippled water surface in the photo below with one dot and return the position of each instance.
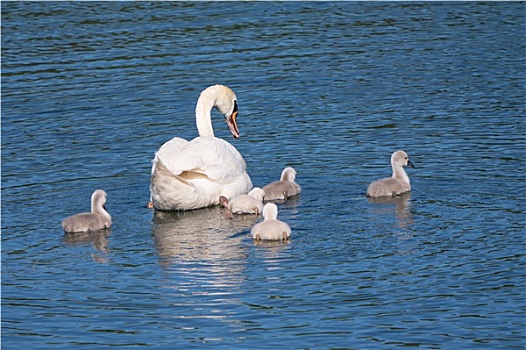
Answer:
(91, 90)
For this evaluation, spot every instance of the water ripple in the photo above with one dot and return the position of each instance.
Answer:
(90, 91)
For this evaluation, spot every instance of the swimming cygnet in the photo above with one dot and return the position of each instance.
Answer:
(398, 183)
(284, 188)
(250, 203)
(98, 219)
(271, 229)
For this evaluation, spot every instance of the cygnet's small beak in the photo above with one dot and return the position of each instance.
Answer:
(223, 201)
(409, 163)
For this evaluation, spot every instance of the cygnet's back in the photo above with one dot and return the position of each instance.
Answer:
(271, 229)
(284, 188)
(98, 219)
(397, 184)
(251, 203)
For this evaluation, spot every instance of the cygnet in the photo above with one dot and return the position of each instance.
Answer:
(98, 219)
(398, 183)
(284, 188)
(271, 229)
(250, 203)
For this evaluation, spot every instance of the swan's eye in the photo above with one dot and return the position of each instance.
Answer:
(405, 158)
(235, 107)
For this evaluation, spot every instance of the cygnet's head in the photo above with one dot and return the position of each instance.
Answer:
(257, 193)
(401, 158)
(98, 200)
(270, 211)
(288, 174)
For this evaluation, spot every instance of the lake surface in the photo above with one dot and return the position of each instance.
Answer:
(91, 90)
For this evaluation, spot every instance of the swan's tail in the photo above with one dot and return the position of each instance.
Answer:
(160, 171)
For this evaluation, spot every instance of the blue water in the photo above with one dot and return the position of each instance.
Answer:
(91, 90)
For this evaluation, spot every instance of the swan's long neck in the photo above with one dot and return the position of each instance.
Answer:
(98, 208)
(288, 174)
(203, 120)
(399, 173)
(270, 212)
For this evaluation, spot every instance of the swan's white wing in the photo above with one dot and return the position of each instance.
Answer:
(190, 175)
(222, 162)
(168, 154)
(208, 157)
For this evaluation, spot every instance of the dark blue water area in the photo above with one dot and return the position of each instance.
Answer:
(91, 90)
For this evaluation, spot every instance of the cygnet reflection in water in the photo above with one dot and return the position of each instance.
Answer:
(99, 239)
(399, 205)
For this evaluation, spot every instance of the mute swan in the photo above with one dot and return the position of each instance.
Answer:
(193, 174)
(398, 183)
(284, 188)
(251, 203)
(271, 229)
(98, 219)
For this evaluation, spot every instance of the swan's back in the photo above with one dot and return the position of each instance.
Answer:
(284, 188)
(387, 187)
(245, 204)
(85, 222)
(251, 203)
(271, 229)
(280, 190)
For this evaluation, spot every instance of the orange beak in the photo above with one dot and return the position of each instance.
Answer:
(232, 124)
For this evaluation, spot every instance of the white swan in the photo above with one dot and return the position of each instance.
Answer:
(271, 229)
(98, 219)
(193, 174)
(398, 183)
(284, 188)
(251, 203)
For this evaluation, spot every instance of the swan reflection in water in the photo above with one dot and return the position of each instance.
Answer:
(99, 239)
(203, 245)
(400, 205)
(211, 245)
